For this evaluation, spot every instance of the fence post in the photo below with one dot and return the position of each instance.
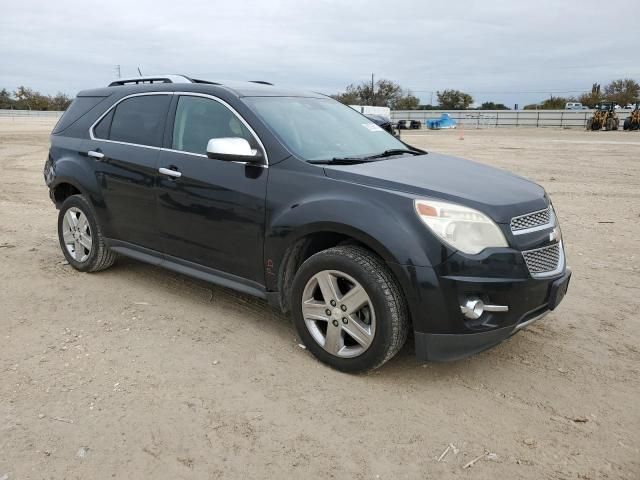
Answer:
(497, 116)
(561, 118)
(538, 120)
(517, 117)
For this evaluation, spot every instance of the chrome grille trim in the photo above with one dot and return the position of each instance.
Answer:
(534, 221)
(546, 261)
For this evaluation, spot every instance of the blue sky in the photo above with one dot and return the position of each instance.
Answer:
(509, 51)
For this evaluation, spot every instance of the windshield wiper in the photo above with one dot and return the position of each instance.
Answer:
(368, 158)
(395, 151)
(340, 161)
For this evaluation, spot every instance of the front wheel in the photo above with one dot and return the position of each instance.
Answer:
(80, 236)
(348, 309)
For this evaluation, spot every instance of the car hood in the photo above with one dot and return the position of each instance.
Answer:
(497, 193)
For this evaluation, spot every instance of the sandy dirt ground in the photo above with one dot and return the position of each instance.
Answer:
(136, 372)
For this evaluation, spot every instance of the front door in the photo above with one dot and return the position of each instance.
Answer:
(213, 213)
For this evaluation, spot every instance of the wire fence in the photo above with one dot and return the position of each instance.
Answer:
(506, 118)
(469, 118)
(17, 114)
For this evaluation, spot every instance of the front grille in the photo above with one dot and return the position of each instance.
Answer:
(541, 218)
(544, 260)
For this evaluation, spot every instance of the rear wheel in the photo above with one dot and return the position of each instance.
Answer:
(348, 309)
(80, 236)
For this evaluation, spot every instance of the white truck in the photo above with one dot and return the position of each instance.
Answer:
(370, 110)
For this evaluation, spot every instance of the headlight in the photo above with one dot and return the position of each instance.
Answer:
(463, 228)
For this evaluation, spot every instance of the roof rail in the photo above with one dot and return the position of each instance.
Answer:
(151, 79)
(261, 82)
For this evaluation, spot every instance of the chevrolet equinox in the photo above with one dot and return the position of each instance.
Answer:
(295, 198)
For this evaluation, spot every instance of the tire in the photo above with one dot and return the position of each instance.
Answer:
(627, 124)
(81, 240)
(381, 323)
(609, 125)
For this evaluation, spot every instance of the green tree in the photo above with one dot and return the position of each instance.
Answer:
(592, 98)
(5, 99)
(454, 100)
(350, 96)
(384, 93)
(493, 106)
(553, 103)
(407, 102)
(59, 102)
(622, 91)
(28, 99)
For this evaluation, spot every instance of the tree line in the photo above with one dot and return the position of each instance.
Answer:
(386, 93)
(623, 92)
(24, 98)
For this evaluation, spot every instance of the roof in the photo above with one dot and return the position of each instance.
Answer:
(181, 83)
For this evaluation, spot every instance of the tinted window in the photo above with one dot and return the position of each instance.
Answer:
(101, 130)
(320, 129)
(77, 109)
(140, 120)
(200, 119)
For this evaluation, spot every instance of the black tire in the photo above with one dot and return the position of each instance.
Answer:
(609, 125)
(99, 257)
(626, 124)
(391, 314)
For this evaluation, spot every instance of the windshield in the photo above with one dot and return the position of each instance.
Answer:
(322, 128)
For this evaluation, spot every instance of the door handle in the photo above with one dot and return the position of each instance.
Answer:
(96, 155)
(171, 173)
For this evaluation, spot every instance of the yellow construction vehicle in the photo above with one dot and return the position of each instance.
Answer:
(632, 122)
(604, 117)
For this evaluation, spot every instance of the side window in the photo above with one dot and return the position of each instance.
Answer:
(140, 120)
(200, 119)
(101, 130)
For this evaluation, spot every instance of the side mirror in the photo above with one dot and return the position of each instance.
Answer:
(233, 149)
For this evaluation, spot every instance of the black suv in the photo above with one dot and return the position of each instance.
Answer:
(298, 199)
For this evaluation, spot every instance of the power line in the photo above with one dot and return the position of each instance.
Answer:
(509, 92)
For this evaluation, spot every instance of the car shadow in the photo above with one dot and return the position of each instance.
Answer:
(256, 310)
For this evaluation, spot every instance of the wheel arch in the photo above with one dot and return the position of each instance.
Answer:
(315, 238)
(63, 189)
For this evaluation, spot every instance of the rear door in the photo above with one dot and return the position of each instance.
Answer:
(125, 144)
(213, 213)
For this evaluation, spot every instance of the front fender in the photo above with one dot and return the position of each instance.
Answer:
(383, 221)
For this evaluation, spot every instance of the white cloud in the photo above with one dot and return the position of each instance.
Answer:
(490, 46)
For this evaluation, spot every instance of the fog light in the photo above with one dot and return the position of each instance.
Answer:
(473, 308)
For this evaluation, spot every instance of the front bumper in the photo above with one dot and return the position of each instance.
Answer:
(434, 296)
(442, 347)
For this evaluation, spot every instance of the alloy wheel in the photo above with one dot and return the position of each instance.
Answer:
(76, 234)
(338, 313)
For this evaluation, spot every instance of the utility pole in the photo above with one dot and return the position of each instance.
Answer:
(372, 91)
(118, 70)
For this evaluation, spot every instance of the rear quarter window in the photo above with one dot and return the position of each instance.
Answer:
(78, 108)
